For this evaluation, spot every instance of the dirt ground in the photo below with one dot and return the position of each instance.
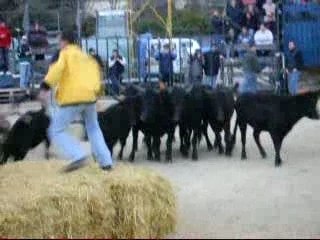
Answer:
(221, 197)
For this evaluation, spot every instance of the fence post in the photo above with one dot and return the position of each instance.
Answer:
(180, 56)
(107, 70)
(129, 62)
(149, 59)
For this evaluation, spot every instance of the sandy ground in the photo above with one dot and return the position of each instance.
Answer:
(221, 197)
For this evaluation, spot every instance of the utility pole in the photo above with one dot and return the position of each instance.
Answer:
(78, 20)
(169, 18)
(26, 16)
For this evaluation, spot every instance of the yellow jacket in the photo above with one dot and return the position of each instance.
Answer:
(76, 77)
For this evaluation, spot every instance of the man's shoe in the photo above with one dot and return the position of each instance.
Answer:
(107, 168)
(75, 166)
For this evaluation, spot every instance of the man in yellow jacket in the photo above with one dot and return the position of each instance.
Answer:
(76, 77)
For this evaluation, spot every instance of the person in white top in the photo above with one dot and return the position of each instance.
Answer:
(263, 36)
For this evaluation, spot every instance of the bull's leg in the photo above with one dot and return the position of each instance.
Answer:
(169, 146)
(219, 141)
(227, 139)
(195, 144)
(234, 135)
(205, 133)
(243, 129)
(47, 148)
(149, 147)
(156, 148)
(277, 142)
(256, 135)
(135, 133)
(4, 157)
(123, 143)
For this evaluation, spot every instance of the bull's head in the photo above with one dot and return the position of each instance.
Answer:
(178, 98)
(149, 106)
(311, 104)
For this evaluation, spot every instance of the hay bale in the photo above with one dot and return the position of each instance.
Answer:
(37, 201)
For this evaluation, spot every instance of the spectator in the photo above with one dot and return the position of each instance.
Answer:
(270, 14)
(93, 53)
(248, 2)
(230, 42)
(270, 11)
(25, 58)
(252, 19)
(38, 41)
(212, 66)
(5, 43)
(166, 59)
(117, 65)
(294, 66)
(263, 38)
(217, 23)
(245, 39)
(196, 68)
(251, 68)
(235, 15)
(98, 59)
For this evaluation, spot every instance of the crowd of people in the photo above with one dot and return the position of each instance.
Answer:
(246, 22)
(32, 47)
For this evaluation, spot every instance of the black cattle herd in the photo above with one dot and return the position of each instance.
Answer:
(192, 110)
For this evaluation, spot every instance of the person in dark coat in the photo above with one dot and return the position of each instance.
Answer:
(166, 59)
(235, 15)
(196, 68)
(212, 66)
(38, 40)
(295, 64)
(117, 65)
(251, 68)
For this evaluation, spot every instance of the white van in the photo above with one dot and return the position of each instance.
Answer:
(183, 47)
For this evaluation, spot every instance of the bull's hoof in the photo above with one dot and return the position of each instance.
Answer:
(228, 153)
(244, 157)
(221, 150)
(264, 155)
(195, 157)
(210, 147)
(278, 164)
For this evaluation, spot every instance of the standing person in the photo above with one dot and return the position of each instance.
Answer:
(196, 68)
(251, 68)
(5, 43)
(166, 59)
(294, 66)
(212, 66)
(218, 26)
(38, 40)
(117, 65)
(77, 80)
(25, 58)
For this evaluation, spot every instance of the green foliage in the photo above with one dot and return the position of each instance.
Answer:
(188, 22)
(89, 26)
(150, 25)
(185, 22)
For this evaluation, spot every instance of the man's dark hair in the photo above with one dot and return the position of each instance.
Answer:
(68, 36)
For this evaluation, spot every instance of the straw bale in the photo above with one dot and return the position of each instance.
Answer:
(36, 201)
